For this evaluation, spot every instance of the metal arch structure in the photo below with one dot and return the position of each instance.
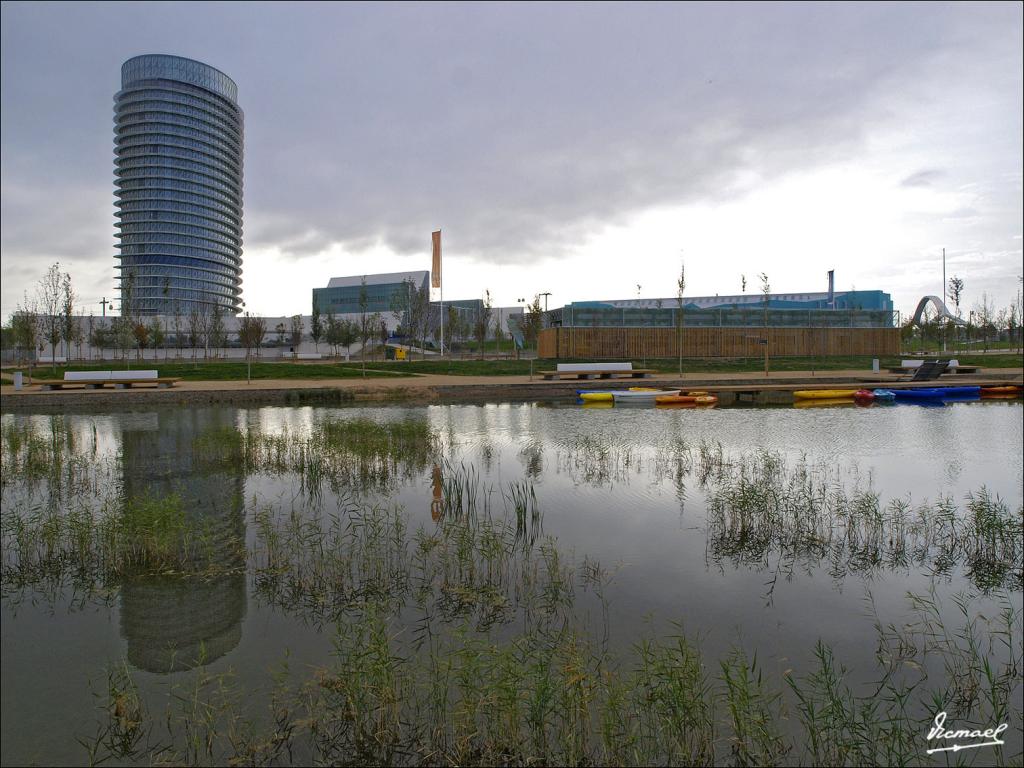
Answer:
(940, 307)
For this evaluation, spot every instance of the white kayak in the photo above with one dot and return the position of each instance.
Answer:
(644, 396)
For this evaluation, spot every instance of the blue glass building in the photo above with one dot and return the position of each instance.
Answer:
(872, 309)
(178, 168)
(344, 295)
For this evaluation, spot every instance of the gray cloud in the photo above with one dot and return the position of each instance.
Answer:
(926, 178)
(518, 128)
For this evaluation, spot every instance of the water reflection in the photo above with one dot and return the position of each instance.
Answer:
(175, 622)
(436, 495)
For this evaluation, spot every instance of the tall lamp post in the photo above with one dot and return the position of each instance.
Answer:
(545, 295)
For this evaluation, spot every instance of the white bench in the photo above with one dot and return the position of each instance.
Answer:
(585, 367)
(86, 375)
(917, 363)
(120, 379)
(121, 375)
(600, 370)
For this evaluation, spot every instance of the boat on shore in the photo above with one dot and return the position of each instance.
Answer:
(937, 393)
(642, 396)
(696, 399)
(1009, 390)
(823, 394)
(596, 397)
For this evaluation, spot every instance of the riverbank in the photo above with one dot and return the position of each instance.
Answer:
(774, 388)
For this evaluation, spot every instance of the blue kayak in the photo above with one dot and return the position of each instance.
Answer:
(936, 393)
(884, 394)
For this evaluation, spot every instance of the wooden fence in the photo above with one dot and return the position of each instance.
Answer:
(639, 343)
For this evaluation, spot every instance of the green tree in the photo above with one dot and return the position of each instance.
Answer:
(766, 290)
(157, 336)
(51, 290)
(984, 318)
(295, 335)
(25, 331)
(99, 336)
(316, 327)
(499, 335)
(680, 290)
(177, 327)
(956, 289)
(67, 328)
(483, 322)
(251, 331)
(195, 330)
(451, 327)
(141, 333)
(348, 333)
(533, 322)
(218, 338)
(365, 323)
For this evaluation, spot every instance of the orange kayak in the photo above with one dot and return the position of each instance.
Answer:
(1010, 390)
(701, 399)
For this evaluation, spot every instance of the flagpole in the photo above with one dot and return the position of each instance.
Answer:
(435, 277)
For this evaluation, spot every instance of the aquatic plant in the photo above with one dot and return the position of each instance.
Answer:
(545, 695)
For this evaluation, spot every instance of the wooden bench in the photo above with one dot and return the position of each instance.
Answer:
(99, 379)
(599, 370)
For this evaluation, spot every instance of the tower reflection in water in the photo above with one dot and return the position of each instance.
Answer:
(175, 623)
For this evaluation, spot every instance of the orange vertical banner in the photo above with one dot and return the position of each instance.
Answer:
(435, 272)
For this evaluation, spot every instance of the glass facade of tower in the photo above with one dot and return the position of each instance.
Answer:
(178, 167)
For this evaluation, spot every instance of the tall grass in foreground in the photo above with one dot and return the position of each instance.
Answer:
(465, 644)
(546, 695)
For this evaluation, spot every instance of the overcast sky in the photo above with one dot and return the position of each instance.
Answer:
(578, 149)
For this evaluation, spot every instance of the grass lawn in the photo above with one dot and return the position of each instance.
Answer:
(220, 370)
(236, 370)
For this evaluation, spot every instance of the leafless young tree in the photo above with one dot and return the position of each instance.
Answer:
(251, 331)
(533, 323)
(195, 329)
(177, 325)
(984, 318)
(483, 322)
(67, 313)
(25, 330)
(51, 295)
(297, 327)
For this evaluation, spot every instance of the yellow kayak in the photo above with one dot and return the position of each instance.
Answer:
(823, 394)
(596, 397)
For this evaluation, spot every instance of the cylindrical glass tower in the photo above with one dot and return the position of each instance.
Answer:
(178, 167)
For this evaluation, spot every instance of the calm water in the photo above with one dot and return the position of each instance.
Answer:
(608, 485)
